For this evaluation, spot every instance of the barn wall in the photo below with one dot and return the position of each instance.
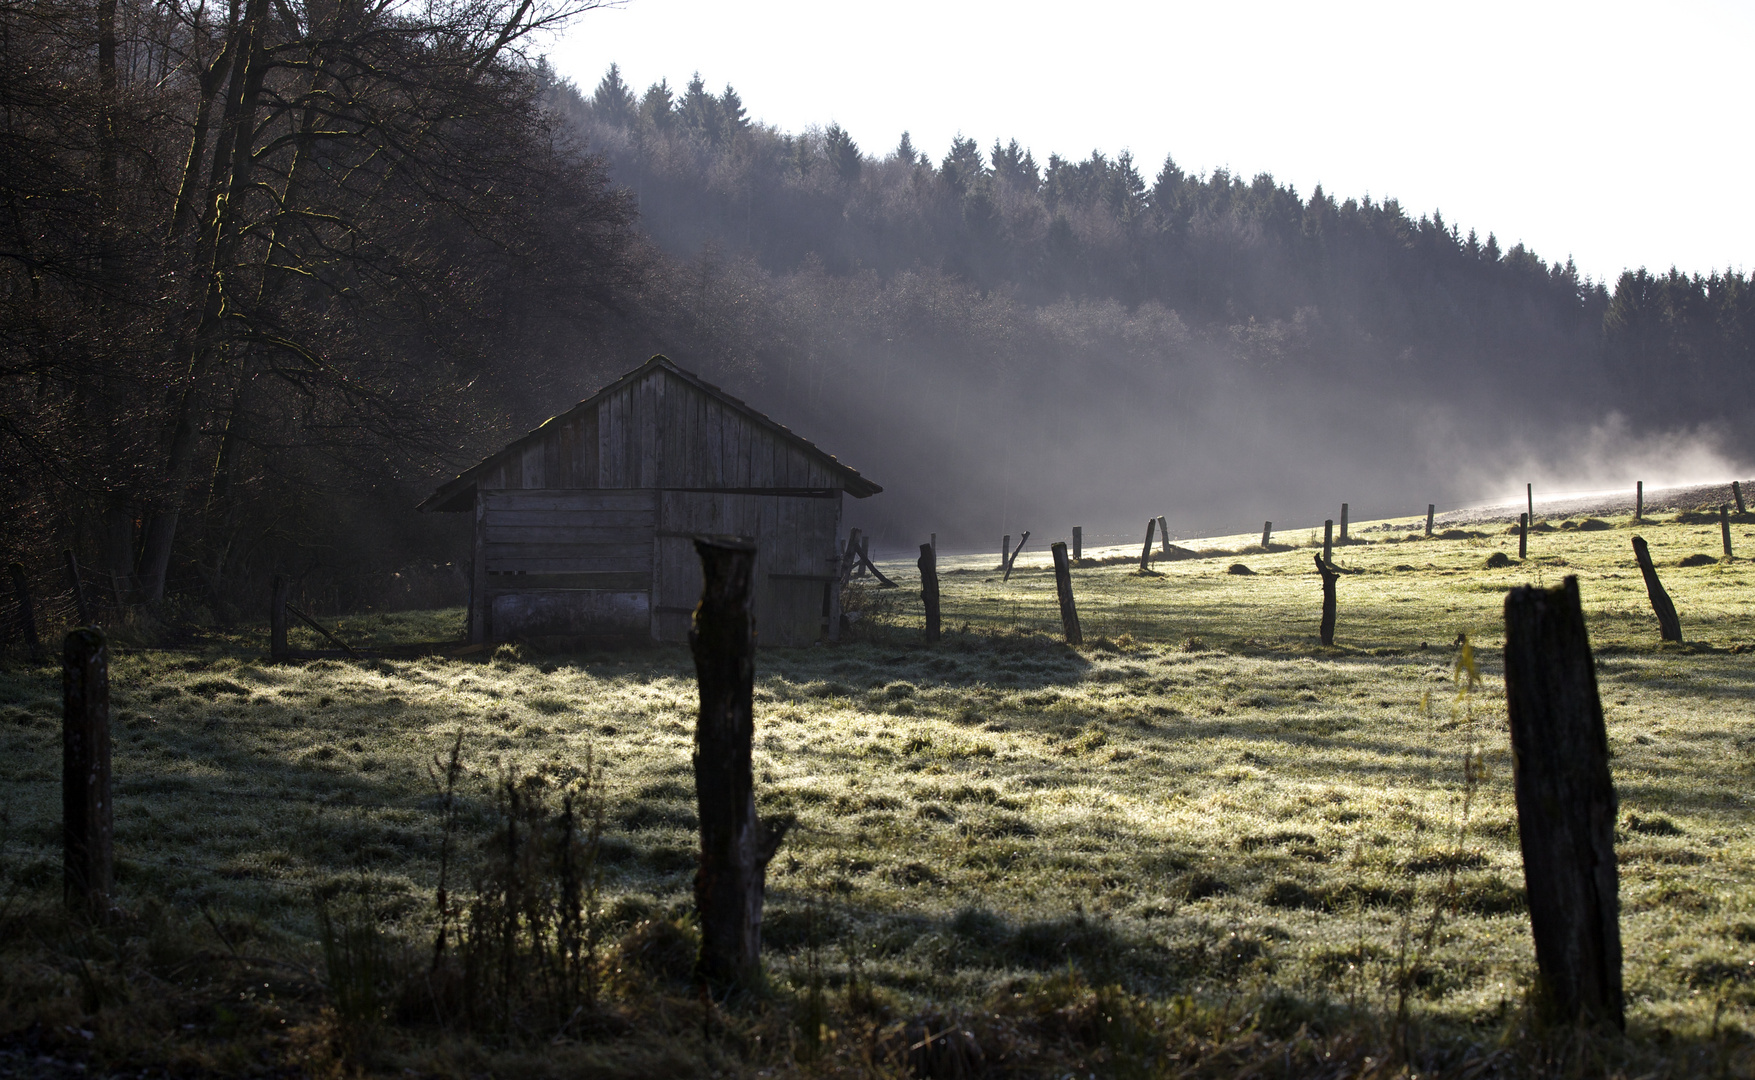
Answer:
(556, 561)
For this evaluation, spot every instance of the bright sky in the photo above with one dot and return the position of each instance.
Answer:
(1615, 132)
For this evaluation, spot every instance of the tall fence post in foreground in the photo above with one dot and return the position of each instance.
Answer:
(1737, 495)
(280, 590)
(86, 816)
(1724, 527)
(1146, 552)
(1343, 523)
(735, 846)
(1565, 804)
(1639, 501)
(1019, 550)
(1329, 577)
(1069, 615)
(929, 589)
(1163, 536)
(1078, 551)
(1267, 532)
(1431, 508)
(76, 587)
(1328, 540)
(1669, 626)
(1523, 536)
(27, 616)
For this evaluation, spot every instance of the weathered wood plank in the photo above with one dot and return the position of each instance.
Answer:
(584, 499)
(641, 548)
(643, 564)
(533, 475)
(589, 612)
(566, 534)
(644, 520)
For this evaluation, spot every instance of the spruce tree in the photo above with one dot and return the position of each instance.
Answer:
(613, 101)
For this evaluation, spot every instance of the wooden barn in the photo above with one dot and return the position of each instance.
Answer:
(584, 526)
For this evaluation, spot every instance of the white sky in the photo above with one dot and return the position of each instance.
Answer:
(1616, 132)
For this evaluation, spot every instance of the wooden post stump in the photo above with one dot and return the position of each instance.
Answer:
(735, 845)
(1566, 804)
(1669, 626)
(27, 616)
(1431, 508)
(1523, 536)
(1639, 501)
(1267, 532)
(929, 589)
(1343, 523)
(1737, 495)
(1724, 528)
(1146, 552)
(280, 590)
(1022, 540)
(1069, 614)
(77, 588)
(1078, 551)
(1329, 577)
(1163, 537)
(86, 815)
(1328, 540)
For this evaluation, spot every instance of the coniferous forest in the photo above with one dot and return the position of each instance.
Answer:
(270, 271)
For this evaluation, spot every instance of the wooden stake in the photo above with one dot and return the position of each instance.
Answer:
(1343, 523)
(27, 617)
(1005, 552)
(77, 588)
(1069, 614)
(1724, 527)
(735, 845)
(1329, 577)
(1267, 532)
(929, 589)
(1639, 501)
(1737, 495)
(1163, 536)
(849, 556)
(1529, 491)
(1328, 539)
(280, 589)
(1146, 552)
(862, 557)
(1523, 536)
(1022, 540)
(1669, 626)
(1566, 805)
(86, 816)
(1431, 508)
(1078, 543)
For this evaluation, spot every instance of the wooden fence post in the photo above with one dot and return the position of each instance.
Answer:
(1669, 626)
(1163, 536)
(849, 556)
(859, 557)
(1724, 527)
(27, 616)
(280, 589)
(1146, 552)
(1566, 804)
(1069, 615)
(1329, 577)
(1328, 539)
(1343, 523)
(1639, 501)
(1529, 492)
(1019, 550)
(1005, 552)
(1737, 495)
(1078, 551)
(934, 542)
(77, 588)
(1523, 536)
(1267, 532)
(86, 816)
(736, 846)
(929, 589)
(1431, 508)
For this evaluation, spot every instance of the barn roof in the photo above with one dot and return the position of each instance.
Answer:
(458, 492)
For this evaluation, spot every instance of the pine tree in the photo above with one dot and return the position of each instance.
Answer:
(655, 106)
(613, 101)
(963, 165)
(731, 110)
(842, 152)
(905, 150)
(699, 111)
(1014, 166)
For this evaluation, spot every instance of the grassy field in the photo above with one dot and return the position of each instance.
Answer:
(1203, 827)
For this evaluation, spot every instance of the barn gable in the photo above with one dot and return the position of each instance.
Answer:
(584, 525)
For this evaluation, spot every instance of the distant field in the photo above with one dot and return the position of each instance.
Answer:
(1201, 800)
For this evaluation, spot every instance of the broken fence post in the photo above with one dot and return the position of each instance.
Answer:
(1146, 552)
(87, 820)
(1724, 527)
(849, 556)
(1523, 536)
(1431, 508)
(1343, 523)
(1163, 537)
(76, 587)
(1328, 539)
(929, 589)
(1069, 614)
(279, 592)
(1329, 577)
(1022, 540)
(736, 846)
(1078, 551)
(1267, 532)
(1639, 500)
(1669, 626)
(27, 617)
(862, 557)
(1566, 804)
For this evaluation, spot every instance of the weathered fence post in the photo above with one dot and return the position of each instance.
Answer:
(850, 556)
(1639, 501)
(1078, 551)
(1529, 492)
(1724, 527)
(86, 817)
(1523, 536)
(1431, 508)
(1737, 495)
(76, 587)
(735, 845)
(27, 616)
(280, 589)
(929, 589)
(1146, 552)
(1019, 550)
(1329, 577)
(1069, 615)
(1005, 552)
(861, 557)
(1267, 532)
(1328, 539)
(1163, 536)
(1669, 626)
(1343, 523)
(1566, 804)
